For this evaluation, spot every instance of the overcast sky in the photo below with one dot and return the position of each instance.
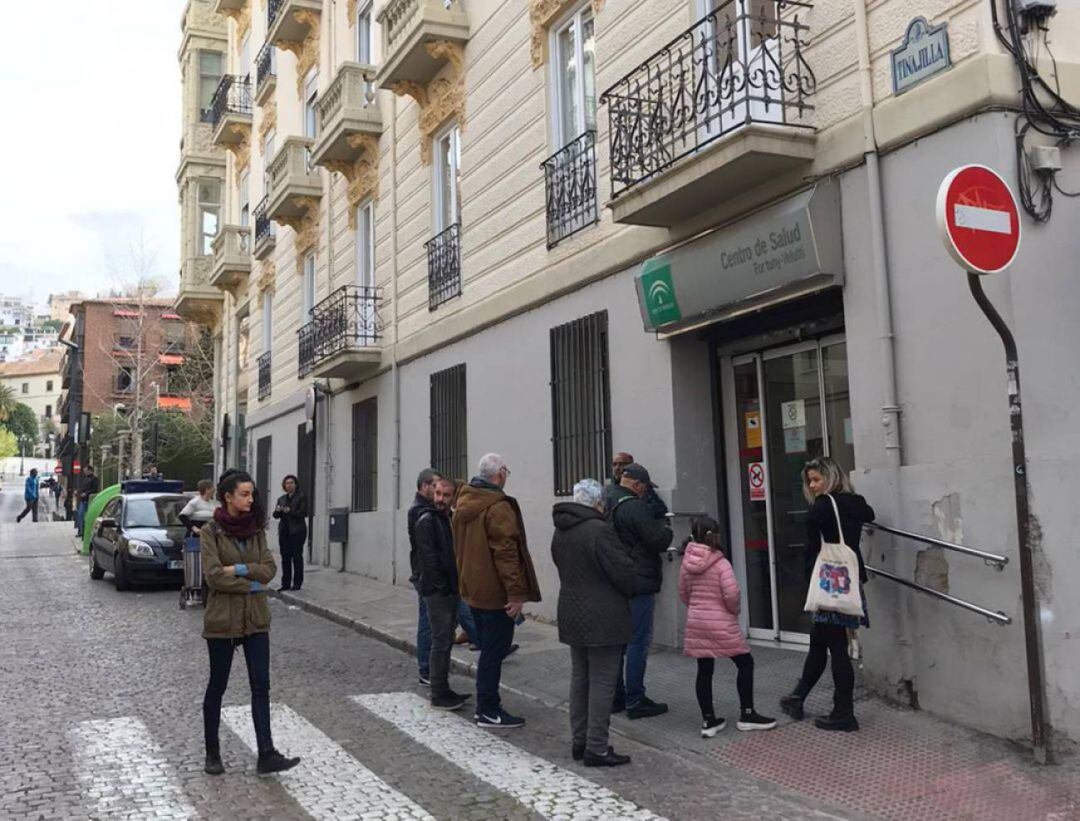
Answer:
(90, 133)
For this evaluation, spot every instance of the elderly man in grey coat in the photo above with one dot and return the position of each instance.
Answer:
(596, 577)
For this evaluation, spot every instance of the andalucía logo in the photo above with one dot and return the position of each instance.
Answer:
(658, 292)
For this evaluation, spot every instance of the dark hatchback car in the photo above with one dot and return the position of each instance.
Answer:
(139, 538)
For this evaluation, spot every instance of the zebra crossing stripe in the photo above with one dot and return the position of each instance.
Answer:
(328, 783)
(124, 772)
(543, 787)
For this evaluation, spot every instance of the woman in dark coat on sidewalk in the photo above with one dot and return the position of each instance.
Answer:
(829, 634)
(596, 577)
(291, 512)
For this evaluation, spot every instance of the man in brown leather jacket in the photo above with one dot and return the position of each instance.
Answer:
(495, 577)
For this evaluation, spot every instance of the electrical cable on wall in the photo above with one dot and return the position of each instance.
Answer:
(1043, 110)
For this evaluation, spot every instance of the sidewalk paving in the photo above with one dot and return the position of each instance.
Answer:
(903, 764)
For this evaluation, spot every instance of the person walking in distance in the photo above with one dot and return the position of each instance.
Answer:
(646, 538)
(439, 587)
(291, 512)
(238, 565)
(88, 486)
(708, 588)
(596, 580)
(834, 506)
(496, 577)
(424, 501)
(30, 496)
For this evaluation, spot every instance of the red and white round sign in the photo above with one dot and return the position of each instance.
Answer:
(978, 219)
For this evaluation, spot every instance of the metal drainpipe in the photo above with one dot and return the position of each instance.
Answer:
(890, 408)
(395, 372)
(328, 464)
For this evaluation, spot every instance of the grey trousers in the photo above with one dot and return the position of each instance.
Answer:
(594, 671)
(442, 615)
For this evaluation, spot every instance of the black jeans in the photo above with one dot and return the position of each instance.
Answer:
(257, 655)
(744, 682)
(31, 508)
(442, 616)
(496, 635)
(292, 559)
(829, 640)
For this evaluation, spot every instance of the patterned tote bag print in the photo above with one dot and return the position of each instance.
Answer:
(834, 584)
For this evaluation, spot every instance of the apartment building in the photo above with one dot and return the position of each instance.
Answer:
(700, 232)
(35, 381)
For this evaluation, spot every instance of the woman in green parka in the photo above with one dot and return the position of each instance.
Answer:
(238, 566)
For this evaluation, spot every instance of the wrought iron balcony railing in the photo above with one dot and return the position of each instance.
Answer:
(346, 320)
(265, 66)
(264, 375)
(570, 186)
(264, 226)
(742, 63)
(272, 9)
(233, 96)
(444, 266)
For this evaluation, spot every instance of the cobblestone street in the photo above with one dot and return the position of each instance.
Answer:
(103, 721)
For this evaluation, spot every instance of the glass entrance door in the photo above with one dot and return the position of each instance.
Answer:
(786, 406)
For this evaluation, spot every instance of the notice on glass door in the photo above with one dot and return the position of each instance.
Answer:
(753, 429)
(793, 414)
(756, 474)
(795, 440)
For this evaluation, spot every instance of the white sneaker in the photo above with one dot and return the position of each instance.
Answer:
(710, 728)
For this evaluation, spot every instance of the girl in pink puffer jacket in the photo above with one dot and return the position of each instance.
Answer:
(708, 588)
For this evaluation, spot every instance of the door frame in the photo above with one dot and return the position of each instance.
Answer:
(732, 467)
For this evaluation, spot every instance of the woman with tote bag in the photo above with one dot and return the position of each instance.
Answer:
(833, 531)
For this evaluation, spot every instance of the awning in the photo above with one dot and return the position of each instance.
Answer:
(784, 251)
(126, 314)
(171, 359)
(171, 316)
(181, 403)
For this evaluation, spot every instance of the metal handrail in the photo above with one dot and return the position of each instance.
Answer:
(998, 618)
(997, 561)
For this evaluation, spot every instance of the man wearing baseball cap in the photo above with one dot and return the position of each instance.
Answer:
(645, 537)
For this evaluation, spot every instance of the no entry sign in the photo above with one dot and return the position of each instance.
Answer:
(978, 219)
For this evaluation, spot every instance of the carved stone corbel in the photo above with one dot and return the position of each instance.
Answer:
(362, 175)
(306, 51)
(443, 98)
(306, 228)
(268, 277)
(542, 14)
(268, 122)
(242, 18)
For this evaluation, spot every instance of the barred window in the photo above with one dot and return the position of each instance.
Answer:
(449, 448)
(580, 401)
(262, 469)
(365, 454)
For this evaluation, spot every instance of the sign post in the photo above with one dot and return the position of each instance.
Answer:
(979, 223)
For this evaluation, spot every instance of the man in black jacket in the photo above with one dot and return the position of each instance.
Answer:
(646, 537)
(291, 511)
(425, 495)
(438, 584)
(611, 492)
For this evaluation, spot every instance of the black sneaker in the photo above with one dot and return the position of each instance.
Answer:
(462, 696)
(752, 721)
(448, 702)
(839, 724)
(711, 726)
(275, 762)
(792, 706)
(577, 751)
(618, 705)
(646, 708)
(502, 720)
(513, 649)
(608, 759)
(423, 681)
(284, 588)
(213, 764)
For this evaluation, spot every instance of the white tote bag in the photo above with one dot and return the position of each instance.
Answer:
(835, 583)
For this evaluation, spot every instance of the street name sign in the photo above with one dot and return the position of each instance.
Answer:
(978, 219)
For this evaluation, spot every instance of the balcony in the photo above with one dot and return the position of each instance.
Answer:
(347, 113)
(230, 111)
(409, 28)
(265, 74)
(444, 266)
(570, 189)
(718, 110)
(232, 257)
(292, 181)
(263, 364)
(291, 21)
(342, 339)
(197, 300)
(229, 6)
(265, 235)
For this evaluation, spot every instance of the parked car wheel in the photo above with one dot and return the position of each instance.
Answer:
(120, 578)
(97, 572)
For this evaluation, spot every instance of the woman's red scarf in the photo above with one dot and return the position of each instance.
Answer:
(239, 527)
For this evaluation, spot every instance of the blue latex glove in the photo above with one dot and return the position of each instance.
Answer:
(240, 569)
(256, 587)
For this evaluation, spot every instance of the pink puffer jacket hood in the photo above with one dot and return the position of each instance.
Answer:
(710, 591)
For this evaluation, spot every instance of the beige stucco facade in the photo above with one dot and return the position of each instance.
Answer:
(35, 381)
